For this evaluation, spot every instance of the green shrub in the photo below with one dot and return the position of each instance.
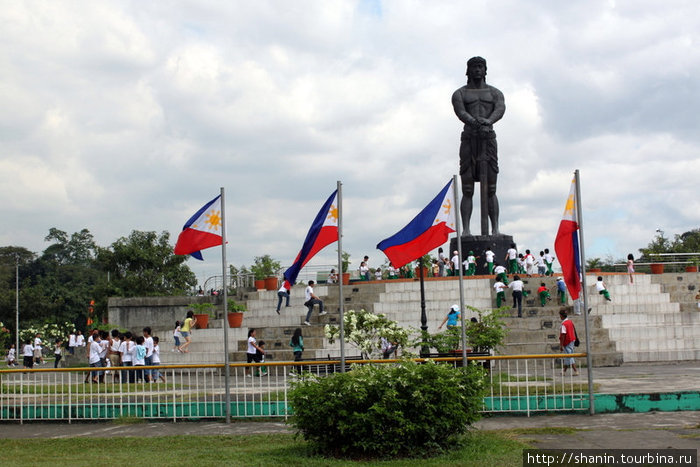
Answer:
(388, 410)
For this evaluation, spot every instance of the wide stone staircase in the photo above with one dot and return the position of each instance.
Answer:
(640, 324)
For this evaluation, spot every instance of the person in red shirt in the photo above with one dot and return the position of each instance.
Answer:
(543, 294)
(567, 338)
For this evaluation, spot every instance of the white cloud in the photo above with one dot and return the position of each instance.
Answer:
(126, 116)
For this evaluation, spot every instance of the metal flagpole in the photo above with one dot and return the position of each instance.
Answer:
(339, 198)
(458, 222)
(589, 359)
(227, 370)
(17, 351)
(423, 316)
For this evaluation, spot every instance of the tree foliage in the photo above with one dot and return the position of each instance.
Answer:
(58, 285)
(143, 264)
(264, 266)
(687, 242)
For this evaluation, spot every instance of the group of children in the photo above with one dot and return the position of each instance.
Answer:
(32, 353)
(114, 349)
(443, 266)
(103, 350)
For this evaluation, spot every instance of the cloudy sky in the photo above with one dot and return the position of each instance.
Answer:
(126, 115)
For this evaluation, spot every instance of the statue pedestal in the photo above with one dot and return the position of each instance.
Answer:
(499, 244)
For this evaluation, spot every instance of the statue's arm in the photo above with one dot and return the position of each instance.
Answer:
(460, 110)
(499, 107)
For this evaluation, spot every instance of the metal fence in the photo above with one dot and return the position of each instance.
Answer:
(517, 384)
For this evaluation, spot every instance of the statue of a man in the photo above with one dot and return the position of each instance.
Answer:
(478, 106)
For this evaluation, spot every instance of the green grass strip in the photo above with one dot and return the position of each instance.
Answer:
(483, 449)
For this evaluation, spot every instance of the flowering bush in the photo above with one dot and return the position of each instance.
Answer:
(49, 332)
(388, 410)
(364, 330)
(5, 337)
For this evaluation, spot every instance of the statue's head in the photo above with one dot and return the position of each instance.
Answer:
(472, 65)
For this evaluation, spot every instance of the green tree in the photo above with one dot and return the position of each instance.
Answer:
(66, 277)
(143, 264)
(659, 244)
(10, 256)
(687, 242)
(264, 266)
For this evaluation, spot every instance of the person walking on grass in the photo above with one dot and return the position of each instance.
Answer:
(311, 300)
(186, 329)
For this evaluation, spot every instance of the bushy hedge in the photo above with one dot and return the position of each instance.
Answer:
(407, 409)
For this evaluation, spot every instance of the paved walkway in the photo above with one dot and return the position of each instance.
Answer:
(654, 430)
(633, 378)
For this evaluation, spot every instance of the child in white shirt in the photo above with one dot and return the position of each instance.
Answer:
(11, 356)
(155, 360)
(600, 287)
(28, 354)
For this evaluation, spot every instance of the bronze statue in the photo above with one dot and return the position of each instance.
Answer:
(479, 106)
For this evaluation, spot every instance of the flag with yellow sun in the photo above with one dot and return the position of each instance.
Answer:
(323, 232)
(202, 230)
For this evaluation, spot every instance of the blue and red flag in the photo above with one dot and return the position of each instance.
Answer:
(323, 232)
(427, 231)
(203, 230)
(566, 245)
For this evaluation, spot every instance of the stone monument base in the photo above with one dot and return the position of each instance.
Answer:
(499, 244)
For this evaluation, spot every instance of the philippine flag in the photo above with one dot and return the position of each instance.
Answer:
(428, 230)
(203, 230)
(566, 244)
(323, 232)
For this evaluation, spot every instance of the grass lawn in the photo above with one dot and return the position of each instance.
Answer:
(480, 448)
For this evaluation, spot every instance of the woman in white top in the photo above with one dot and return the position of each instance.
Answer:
(517, 286)
(252, 351)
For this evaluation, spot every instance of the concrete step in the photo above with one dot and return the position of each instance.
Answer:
(551, 347)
